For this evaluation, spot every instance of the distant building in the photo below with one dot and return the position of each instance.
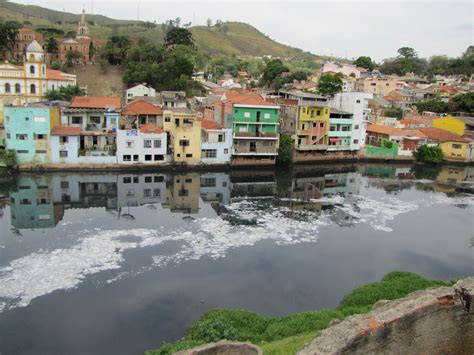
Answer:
(454, 146)
(346, 69)
(173, 99)
(216, 143)
(23, 38)
(379, 85)
(139, 90)
(450, 123)
(140, 112)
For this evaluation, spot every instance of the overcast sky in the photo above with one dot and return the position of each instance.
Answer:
(342, 28)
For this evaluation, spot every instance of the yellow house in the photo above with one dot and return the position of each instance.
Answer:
(454, 146)
(312, 128)
(450, 123)
(184, 136)
(183, 194)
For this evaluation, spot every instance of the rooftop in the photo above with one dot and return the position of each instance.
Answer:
(442, 135)
(211, 125)
(142, 107)
(102, 102)
(66, 131)
(151, 128)
(58, 75)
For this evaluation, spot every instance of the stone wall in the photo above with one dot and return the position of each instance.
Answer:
(435, 321)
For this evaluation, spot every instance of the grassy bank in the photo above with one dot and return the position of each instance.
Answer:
(286, 335)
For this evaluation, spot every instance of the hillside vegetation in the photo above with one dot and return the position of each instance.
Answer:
(239, 38)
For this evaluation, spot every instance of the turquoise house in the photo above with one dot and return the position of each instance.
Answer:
(255, 124)
(340, 130)
(28, 132)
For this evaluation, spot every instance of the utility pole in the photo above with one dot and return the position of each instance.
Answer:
(138, 11)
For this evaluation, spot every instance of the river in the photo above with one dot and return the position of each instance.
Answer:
(117, 263)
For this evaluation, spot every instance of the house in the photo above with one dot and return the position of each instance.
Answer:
(216, 143)
(140, 112)
(380, 85)
(65, 144)
(341, 124)
(400, 99)
(346, 69)
(173, 99)
(356, 103)
(139, 90)
(312, 127)
(255, 124)
(146, 145)
(97, 117)
(31, 81)
(28, 132)
(183, 193)
(23, 38)
(140, 189)
(184, 136)
(450, 123)
(406, 139)
(454, 146)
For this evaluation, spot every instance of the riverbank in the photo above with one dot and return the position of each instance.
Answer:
(286, 335)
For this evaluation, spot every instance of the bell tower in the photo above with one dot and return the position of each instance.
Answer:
(82, 29)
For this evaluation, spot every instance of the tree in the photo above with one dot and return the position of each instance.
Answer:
(274, 69)
(330, 84)
(177, 36)
(406, 52)
(8, 157)
(365, 62)
(116, 49)
(438, 65)
(64, 93)
(72, 57)
(462, 103)
(177, 21)
(209, 23)
(299, 75)
(393, 112)
(433, 105)
(8, 32)
(52, 45)
(92, 50)
(426, 154)
(285, 150)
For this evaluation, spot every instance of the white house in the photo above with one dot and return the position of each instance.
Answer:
(346, 69)
(356, 103)
(216, 143)
(140, 90)
(147, 145)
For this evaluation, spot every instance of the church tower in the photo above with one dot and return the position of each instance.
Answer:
(82, 29)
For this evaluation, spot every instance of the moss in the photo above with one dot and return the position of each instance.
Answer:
(285, 335)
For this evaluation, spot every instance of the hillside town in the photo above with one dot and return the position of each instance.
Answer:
(231, 122)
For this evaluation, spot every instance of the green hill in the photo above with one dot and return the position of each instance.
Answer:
(239, 38)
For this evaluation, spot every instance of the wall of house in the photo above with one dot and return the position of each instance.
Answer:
(455, 151)
(71, 147)
(223, 149)
(386, 149)
(140, 91)
(187, 154)
(137, 148)
(449, 123)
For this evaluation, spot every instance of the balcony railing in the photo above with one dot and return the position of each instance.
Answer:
(241, 150)
(270, 135)
(311, 146)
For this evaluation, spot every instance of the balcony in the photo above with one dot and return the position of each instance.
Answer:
(340, 134)
(308, 147)
(258, 135)
(246, 150)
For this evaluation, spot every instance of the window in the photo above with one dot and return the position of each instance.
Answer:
(40, 119)
(356, 141)
(129, 144)
(136, 179)
(25, 201)
(156, 193)
(147, 143)
(356, 126)
(76, 120)
(127, 180)
(157, 143)
(32, 69)
(27, 118)
(147, 193)
(167, 119)
(184, 143)
(226, 151)
(127, 157)
(40, 136)
(8, 136)
(24, 187)
(208, 182)
(147, 157)
(148, 179)
(457, 146)
(7, 88)
(266, 115)
(209, 153)
(220, 138)
(63, 139)
(247, 114)
(321, 124)
(33, 89)
(158, 178)
(135, 157)
(94, 119)
(357, 101)
(189, 155)
(182, 192)
(38, 151)
(22, 137)
(64, 184)
(63, 153)
(159, 157)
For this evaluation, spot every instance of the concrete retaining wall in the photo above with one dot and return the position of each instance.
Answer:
(436, 321)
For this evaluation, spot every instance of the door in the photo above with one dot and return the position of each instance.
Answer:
(253, 147)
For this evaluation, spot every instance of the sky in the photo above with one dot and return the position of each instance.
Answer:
(345, 29)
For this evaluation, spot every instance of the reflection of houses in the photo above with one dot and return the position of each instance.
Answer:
(32, 206)
(138, 190)
(215, 189)
(183, 193)
(253, 183)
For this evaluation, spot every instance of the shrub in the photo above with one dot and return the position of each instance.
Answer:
(426, 154)
(285, 150)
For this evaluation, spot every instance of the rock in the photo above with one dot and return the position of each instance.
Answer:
(223, 347)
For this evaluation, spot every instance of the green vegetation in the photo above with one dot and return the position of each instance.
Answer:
(286, 335)
(8, 32)
(330, 84)
(365, 62)
(393, 112)
(8, 158)
(434, 105)
(426, 154)
(458, 103)
(285, 150)
(64, 93)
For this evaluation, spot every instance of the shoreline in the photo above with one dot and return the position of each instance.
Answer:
(225, 167)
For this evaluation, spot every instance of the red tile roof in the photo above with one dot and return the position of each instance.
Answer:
(151, 128)
(66, 131)
(142, 107)
(208, 124)
(442, 135)
(414, 132)
(95, 102)
(57, 75)
(254, 100)
(375, 128)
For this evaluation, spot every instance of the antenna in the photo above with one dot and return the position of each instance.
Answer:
(138, 11)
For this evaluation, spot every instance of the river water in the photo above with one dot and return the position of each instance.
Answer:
(117, 263)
